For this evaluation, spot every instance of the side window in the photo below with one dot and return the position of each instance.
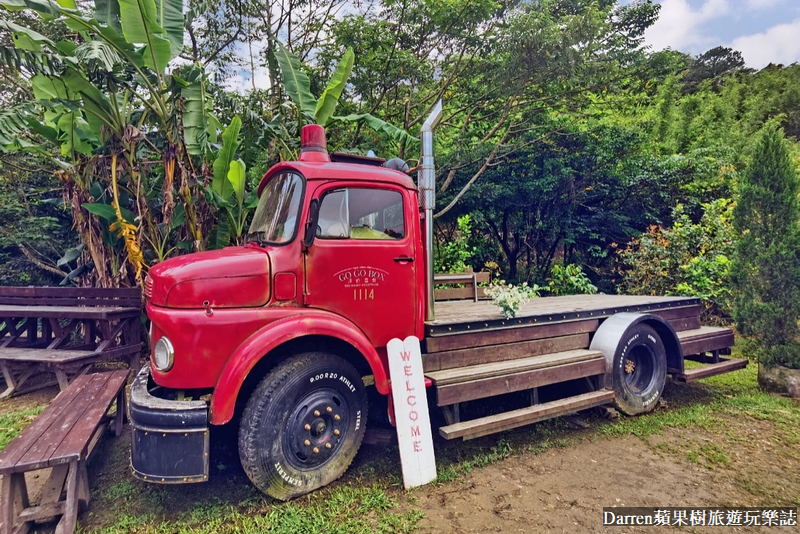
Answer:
(361, 213)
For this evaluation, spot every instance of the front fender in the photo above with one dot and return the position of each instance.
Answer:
(273, 335)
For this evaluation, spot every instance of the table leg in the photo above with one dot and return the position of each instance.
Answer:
(13, 501)
(70, 518)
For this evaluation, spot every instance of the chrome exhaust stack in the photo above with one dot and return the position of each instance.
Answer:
(426, 182)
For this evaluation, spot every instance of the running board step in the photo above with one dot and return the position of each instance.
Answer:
(724, 366)
(525, 416)
(491, 379)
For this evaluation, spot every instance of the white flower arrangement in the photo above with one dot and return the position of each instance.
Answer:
(509, 298)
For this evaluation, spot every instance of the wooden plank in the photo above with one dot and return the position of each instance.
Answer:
(74, 292)
(458, 293)
(509, 351)
(724, 366)
(705, 339)
(44, 511)
(480, 389)
(64, 356)
(464, 311)
(525, 416)
(71, 302)
(500, 368)
(79, 436)
(69, 312)
(40, 455)
(678, 313)
(20, 445)
(682, 324)
(509, 335)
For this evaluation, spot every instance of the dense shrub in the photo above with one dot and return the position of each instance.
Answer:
(688, 259)
(569, 280)
(766, 270)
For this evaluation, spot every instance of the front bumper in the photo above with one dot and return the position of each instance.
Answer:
(169, 439)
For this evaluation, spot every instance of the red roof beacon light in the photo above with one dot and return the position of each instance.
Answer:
(313, 145)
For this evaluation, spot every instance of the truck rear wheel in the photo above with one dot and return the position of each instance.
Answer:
(640, 370)
(303, 425)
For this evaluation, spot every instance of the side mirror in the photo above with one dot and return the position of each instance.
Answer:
(311, 225)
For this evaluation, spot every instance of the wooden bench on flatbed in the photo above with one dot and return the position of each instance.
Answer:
(62, 438)
(468, 279)
(65, 331)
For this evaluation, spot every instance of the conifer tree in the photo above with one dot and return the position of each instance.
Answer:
(766, 268)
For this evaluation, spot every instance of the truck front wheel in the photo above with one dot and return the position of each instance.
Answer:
(303, 425)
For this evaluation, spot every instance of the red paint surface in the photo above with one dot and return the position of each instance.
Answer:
(252, 310)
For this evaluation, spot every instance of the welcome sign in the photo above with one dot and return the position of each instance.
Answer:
(414, 433)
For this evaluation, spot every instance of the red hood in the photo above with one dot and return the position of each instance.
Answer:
(233, 277)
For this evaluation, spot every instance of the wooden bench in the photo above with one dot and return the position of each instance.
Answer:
(468, 279)
(65, 331)
(62, 438)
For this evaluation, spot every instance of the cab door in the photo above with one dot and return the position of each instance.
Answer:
(362, 264)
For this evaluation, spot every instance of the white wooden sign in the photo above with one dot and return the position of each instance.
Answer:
(414, 433)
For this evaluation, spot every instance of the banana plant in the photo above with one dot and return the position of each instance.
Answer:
(107, 94)
(227, 190)
(321, 111)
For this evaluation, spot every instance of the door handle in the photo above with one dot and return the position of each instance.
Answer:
(403, 258)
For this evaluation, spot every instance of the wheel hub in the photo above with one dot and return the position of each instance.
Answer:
(316, 428)
(630, 366)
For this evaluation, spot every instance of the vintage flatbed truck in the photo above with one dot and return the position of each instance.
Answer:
(279, 333)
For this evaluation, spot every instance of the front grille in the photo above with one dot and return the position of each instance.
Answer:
(148, 288)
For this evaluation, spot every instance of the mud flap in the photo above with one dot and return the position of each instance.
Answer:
(169, 439)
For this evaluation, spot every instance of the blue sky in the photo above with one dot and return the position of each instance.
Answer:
(765, 31)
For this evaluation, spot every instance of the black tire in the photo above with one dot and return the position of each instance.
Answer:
(303, 425)
(640, 370)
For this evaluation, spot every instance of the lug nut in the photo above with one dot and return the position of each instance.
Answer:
(307, 427)
(327, 445)
(316, 450)
(316, 413)
(307, 443)
(336, 417)
(336, 432)
(329, 409)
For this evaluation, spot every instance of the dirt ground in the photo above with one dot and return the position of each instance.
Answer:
(558, 489)
(565, 490)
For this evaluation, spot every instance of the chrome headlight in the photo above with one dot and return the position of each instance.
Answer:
(163, 354)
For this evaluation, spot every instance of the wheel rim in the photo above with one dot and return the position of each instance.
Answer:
(316, 428)
(639, 368)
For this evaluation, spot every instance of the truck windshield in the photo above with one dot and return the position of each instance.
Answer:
(277, 214)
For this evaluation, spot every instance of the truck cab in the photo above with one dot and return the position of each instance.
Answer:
(332, 267)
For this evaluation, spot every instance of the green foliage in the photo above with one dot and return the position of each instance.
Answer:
(569, 280)
(452, 255)
(689, 259)
(13, 423)
(766, 270)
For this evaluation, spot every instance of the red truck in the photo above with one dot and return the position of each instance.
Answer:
(282, 333)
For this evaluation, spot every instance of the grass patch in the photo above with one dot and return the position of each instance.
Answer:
(13, 423)
(343, 509)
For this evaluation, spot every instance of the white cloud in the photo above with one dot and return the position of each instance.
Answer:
(761, 4)
(677, 24)
(779, 44)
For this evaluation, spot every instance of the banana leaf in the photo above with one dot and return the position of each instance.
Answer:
(230, 142)
(295, 81)
(330, 96)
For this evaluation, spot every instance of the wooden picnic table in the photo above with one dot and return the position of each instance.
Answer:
(61, 438)
(65, 331)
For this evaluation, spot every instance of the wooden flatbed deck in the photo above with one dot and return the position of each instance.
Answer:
(472, 352)
(464, 316)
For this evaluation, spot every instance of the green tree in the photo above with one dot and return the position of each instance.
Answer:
(766, 268)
